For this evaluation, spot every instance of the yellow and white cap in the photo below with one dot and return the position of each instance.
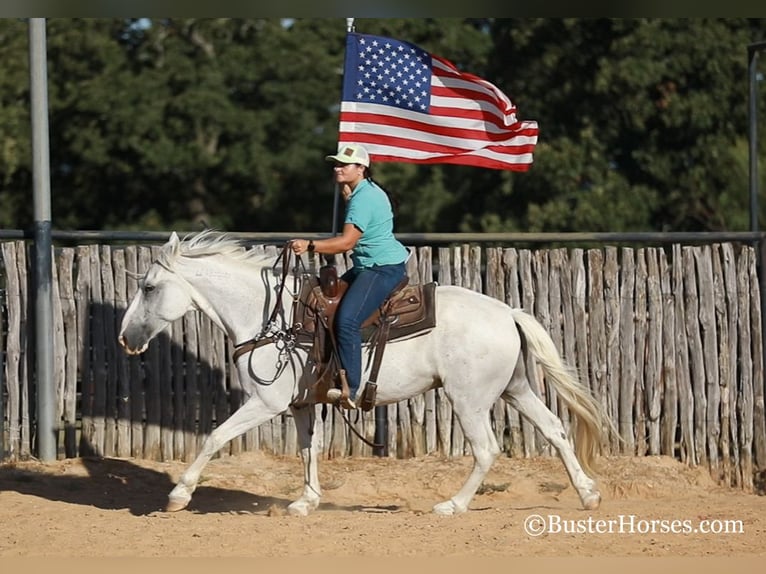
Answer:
(351, 153)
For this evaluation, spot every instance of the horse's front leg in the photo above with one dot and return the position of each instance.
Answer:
(305, 418)
(253, 413)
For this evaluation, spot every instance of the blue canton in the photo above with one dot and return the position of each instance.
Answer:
(386, 71)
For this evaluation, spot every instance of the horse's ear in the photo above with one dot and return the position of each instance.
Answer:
(173, 245)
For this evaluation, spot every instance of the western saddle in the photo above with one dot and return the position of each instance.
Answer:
(408, 311)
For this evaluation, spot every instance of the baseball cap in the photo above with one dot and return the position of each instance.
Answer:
(351, 153)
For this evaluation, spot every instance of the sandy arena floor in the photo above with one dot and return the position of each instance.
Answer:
(370, 507)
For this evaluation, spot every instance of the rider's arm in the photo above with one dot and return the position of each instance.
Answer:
(332, 245)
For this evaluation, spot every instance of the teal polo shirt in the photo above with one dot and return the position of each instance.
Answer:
(369, 209)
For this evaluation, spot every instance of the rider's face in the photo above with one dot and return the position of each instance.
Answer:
(348, 173)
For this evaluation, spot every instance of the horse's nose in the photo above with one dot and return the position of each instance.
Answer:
(124, 344)
(129, 349)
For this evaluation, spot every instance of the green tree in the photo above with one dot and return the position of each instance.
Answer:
(643, 122)
(15, 148)
(176, 123)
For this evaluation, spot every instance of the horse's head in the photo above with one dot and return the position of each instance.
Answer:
(162, 297)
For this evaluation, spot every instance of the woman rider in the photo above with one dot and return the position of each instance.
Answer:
(378, 258)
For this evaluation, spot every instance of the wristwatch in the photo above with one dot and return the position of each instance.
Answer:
(311, 246)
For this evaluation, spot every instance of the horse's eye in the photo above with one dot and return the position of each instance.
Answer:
(149, 288)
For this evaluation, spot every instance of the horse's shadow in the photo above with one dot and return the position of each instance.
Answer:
(117, 484)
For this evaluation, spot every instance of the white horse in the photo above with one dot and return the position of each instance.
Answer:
(472, 353)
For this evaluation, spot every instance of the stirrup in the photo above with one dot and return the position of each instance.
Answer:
(335, 395)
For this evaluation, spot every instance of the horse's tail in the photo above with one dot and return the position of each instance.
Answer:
(590, 418)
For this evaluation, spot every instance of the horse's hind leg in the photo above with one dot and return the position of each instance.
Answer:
(520, 396)
(253, 413)
(305, 418)
(478, 433)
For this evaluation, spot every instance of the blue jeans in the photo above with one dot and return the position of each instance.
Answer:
(368, 288)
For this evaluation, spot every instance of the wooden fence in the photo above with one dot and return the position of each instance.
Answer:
(668, 340)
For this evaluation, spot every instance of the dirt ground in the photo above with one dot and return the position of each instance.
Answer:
(371, 507)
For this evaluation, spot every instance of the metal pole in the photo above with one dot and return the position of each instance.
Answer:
(46, 392)
(336, 199)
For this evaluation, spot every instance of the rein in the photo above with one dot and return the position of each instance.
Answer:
(285, 338)
(358, 435)
(268, 334)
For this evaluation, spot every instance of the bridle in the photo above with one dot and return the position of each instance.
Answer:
(276, 331)
(284, 336)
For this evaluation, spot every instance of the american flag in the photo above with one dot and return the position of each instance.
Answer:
(404, 104)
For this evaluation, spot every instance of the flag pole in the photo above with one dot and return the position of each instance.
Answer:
(381, 412)
(336, 198)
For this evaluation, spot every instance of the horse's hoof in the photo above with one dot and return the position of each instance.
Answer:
(176, 504)
(592, 501)
(297, 510)
(301, 508)
(447, 508)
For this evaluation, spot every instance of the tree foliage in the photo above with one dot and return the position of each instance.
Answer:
(177, 123)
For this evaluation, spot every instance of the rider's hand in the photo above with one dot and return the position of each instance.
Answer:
(299, 246)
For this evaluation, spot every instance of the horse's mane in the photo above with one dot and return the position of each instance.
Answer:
(211, 242)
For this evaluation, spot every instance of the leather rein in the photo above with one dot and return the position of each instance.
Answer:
(284, 338)
(281, 336)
